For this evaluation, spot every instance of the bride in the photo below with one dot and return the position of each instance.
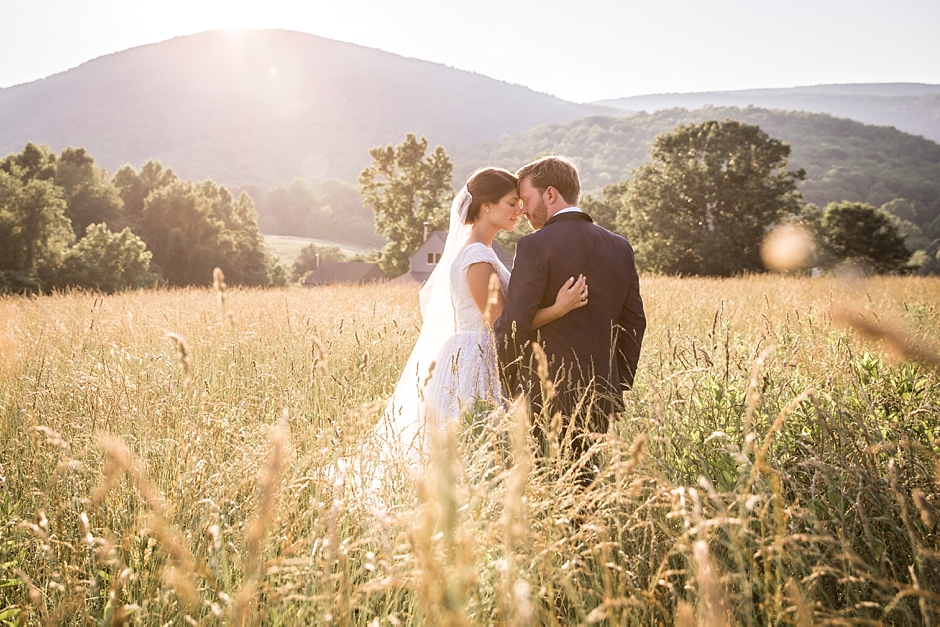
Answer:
(453, 365)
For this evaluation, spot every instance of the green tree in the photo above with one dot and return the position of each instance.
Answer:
(906, 216)
(107, 262)
(931, 259)
(331, 210)
(703, 203)
(405, 189)
(604, 210)
(191, 228)
(34, 232)
(33, 163)
(307, 260)
(860, 233)
(89, 193)
(134, 187)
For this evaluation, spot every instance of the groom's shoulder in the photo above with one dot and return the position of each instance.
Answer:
(532, 239)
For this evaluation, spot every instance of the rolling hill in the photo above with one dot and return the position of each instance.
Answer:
(263, 107)
(844, 159)
(910, 107)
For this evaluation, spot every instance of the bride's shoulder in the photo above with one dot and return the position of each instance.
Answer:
(474, 253)
(474, 249)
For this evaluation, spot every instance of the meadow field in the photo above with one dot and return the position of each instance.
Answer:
(191, 457)
(287, 247)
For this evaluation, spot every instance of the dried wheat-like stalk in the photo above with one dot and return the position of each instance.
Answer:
(52, 437)
(712, 605)
(897, 342)
(182, 563)
(184, 357)
(218, 283)
(541, 369)
(267, 493)
(34, 595)
(319, 364)
(685, 615)
(519, 609)
(927, 511)
(492, 298)
(804, 609)
(753, 394)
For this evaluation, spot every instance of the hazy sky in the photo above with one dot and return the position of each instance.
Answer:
(583, 50)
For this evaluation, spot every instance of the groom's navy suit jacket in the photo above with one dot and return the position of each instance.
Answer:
(595, 347)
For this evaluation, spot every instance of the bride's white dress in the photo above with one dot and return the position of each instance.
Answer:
(466, 369)
(453, 362)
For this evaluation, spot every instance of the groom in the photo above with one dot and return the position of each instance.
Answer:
(592, 351)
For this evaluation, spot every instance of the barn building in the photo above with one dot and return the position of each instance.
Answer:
(330, 272)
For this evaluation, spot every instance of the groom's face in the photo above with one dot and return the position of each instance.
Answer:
(535, 210)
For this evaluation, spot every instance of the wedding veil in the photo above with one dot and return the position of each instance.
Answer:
(403, 426)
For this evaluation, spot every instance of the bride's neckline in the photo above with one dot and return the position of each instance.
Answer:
(469, 244)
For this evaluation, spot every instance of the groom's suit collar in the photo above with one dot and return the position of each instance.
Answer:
(566, 215)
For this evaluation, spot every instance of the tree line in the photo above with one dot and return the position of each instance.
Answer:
(329, 210)
(702, 205)
(843, 159)
(67, 223)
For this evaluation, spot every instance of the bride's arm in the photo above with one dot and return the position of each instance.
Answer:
(569, 296)
(478, 280)
(572, 295)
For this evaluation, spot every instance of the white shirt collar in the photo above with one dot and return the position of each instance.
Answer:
(568, 210)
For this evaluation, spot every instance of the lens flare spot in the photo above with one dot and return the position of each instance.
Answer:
(787, 247)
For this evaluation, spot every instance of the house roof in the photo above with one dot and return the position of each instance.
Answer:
(436, 240)
(345, 272)
(410, 278)
(434, 243)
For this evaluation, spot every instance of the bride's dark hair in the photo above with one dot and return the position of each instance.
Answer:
(488, 185)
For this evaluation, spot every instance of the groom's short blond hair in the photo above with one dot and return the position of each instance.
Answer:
(553, 171)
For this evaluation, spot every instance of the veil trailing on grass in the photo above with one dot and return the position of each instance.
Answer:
(403, 429)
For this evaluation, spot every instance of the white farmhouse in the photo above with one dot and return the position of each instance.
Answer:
(427, 256)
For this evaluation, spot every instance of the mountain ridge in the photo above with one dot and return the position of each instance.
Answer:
(278, 104)
(844, 159)
(910, 107)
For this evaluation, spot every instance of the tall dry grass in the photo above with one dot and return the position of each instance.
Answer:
(195, 456)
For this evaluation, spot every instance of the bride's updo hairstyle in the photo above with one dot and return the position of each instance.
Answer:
(488, 185)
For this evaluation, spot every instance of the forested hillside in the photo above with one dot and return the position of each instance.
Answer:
(844, 159)
(264, 107)
(910, 107)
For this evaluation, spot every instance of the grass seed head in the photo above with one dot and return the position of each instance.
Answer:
(712, 605)
(928, 513)
(319, 364)
(492, 298)
(218, 283)
(899, 343)
(183, 355)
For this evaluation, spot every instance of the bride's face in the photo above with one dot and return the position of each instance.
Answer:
(505, 213)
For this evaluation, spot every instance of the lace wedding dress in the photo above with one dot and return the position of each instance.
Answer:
(466, 368)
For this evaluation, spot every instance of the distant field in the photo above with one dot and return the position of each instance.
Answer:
(288, 247)
(772, 467)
